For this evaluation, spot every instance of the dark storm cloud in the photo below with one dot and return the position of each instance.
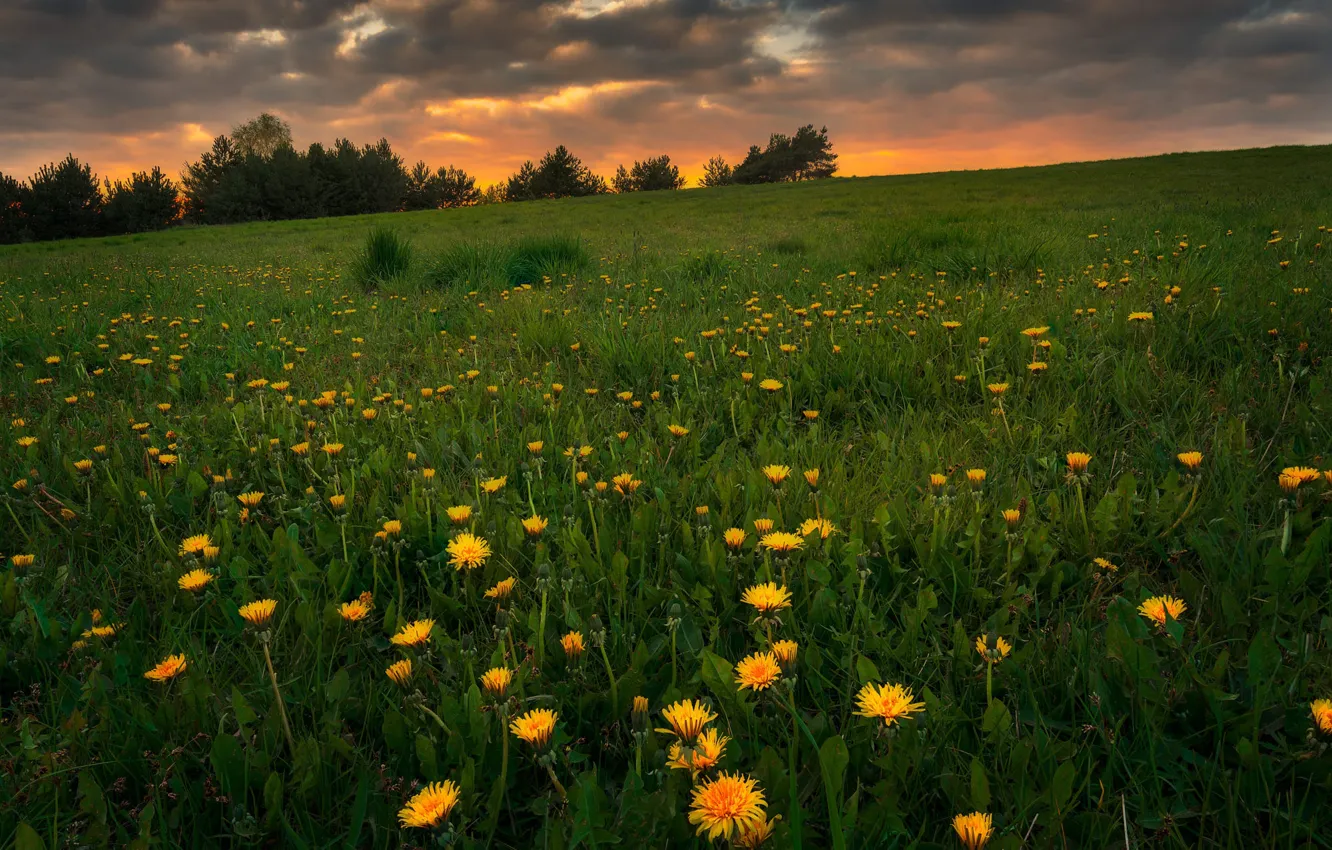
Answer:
(890, 70)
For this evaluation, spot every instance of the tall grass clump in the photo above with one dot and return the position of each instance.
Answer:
(470, 262)
(531, 258)
(385, 256)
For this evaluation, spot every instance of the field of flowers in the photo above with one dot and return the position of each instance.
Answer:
(986, 510)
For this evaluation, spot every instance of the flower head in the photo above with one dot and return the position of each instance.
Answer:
(400, 671)
(782, 541)
(785, 650)
(1322, 715)
(430, 806)
(889, 702)
(502, 588)
(535, 727)
(250, 499)
(687, 718)
(726, 805)
(491, 486)
(758, 671)
(459, 514)
(776, 473)
(167, 669)
(194, 580)
(1158, 608)
(770, 385)
(194, 544)
(413, 634)
(358, 609)
(1012, 516)
(1077, 462)
(767, 597)
(703, 755)
(974, 830)
(993, 651)
(573, 644)
(734, 538)
(496, 680)
(1190, 460)
(534, 525)
(467, 551)
(258, 612)
(820, 525)
(756, 834)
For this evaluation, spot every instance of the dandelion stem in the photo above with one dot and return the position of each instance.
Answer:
(277, 695)
(610, 674)
(558, 787)
(1187, 508)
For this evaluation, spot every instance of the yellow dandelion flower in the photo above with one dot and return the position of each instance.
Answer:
(251, 499)
(194, 580)
(973, 830)
(400, 671)
(734, 538)
(687, 719)
(535, 727)
(812, 477)
(767, 597)
(258, 612)
(573, 644)
(167, 669)
(496, 681)
(822, 526)
(413, 634)
(1159, 608)
(782, 541)
(459, 514)
(756, 834)
(776, 473)
(430, 806)
(195, 544)
(356, 610)
(757, 671)
(491, 486)
(1322, 715)
(467, 551)
(770, 385)
(1077, 462)
(786, 651)
(703, 755)
(763, 525)
(678, 430)
(993, 653)
(889, 702)
(534, 525)
(1190, 460)
(502, 588)
(726, 805)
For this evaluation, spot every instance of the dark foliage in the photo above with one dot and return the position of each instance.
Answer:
(149, 200)
(648, 176)
(63, 201)
(805, 156)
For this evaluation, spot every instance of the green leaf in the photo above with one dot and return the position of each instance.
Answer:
(1264, 659)
(866, 671)
(425, 753)
(833, 759)
(1062, 789)
(244, 714)
(338, 686)
(26, 838)
(228, 762)
(718, 675)
(395, 731)
(980, 785)
(273, 791)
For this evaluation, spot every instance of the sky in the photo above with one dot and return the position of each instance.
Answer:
(901, 85)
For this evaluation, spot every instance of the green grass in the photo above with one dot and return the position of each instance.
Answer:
(1100, 724)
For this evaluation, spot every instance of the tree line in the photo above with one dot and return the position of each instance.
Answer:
(255, 173)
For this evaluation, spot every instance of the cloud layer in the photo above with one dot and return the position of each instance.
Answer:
(903, 85)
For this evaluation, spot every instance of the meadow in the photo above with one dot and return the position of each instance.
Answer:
(963, 510)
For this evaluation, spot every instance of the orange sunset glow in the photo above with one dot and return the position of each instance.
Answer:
(487, 84)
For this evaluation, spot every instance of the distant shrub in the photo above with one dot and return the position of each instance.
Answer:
(386, 256)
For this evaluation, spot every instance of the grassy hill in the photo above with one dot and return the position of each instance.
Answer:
(269, 533)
